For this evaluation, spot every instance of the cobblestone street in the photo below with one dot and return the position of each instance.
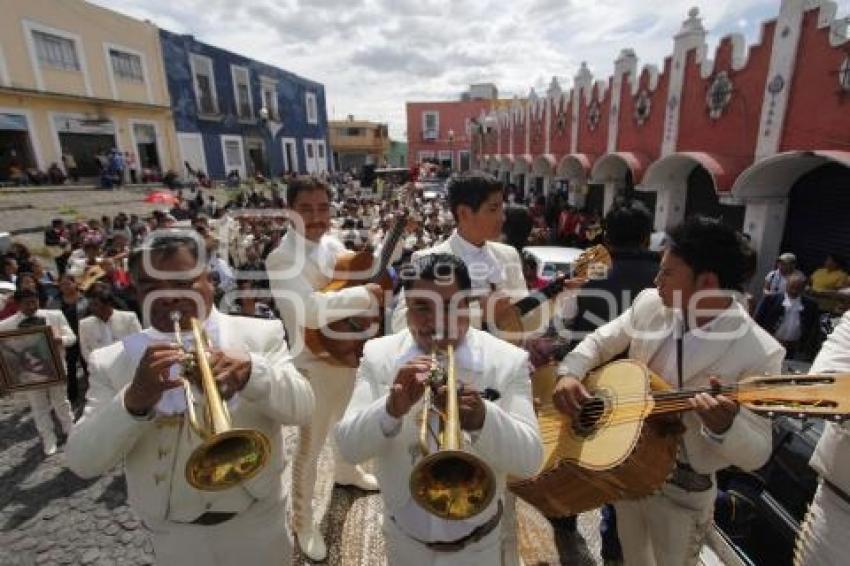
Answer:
(50, 516)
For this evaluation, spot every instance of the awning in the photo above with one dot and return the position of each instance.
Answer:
(773, 177)
(613, 166)
(673, 170)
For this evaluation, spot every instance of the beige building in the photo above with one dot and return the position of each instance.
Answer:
(77, 79)
(355, 143)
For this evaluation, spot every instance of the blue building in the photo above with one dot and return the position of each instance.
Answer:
(234, 113)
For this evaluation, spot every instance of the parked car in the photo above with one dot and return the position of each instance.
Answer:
(552, 260)
(433, 188)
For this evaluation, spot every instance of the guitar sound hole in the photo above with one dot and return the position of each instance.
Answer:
(591, 415)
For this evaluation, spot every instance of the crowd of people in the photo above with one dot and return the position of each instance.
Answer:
(255, 271)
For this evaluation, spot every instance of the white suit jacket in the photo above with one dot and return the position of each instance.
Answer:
(94, 335)
(297, 270)
(513, 283)
(831, 458)
(54, 318)
(155, 451)
(509, 440)
(747, 444)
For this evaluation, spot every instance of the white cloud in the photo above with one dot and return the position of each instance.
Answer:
(373, 55)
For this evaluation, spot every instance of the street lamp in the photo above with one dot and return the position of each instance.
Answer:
(451, 134)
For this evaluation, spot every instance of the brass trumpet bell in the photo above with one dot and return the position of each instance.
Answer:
(450, 482)
(227, 456)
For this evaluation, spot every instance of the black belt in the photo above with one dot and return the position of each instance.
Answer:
(836, 490)
(688, 479)
(476, 535)
(211, 518)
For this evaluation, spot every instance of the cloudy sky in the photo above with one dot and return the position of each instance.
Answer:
(373, 55)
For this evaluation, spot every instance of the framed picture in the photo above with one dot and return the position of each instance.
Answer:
(29, 359)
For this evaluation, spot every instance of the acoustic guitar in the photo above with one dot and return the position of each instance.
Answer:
(341, 341)
(506, 320)
(623, 444)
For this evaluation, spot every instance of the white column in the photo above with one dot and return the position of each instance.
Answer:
(783, 58)
(669, 208)
(691, 36)
(764, 222)
(626, 64)
(582, 85)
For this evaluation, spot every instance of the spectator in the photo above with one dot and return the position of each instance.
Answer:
(789, 316)
(75, 307)
(71, 166)
(832, 276)
(777, 280)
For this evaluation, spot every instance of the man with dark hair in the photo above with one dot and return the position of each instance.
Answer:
(106, 325)
(495, 411)
(298, 271)
(692, 332)
(477, 204)
(627, 230)
(51, 399)
(137, 412)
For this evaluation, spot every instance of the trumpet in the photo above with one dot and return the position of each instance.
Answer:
(449, 482)
(227, 456)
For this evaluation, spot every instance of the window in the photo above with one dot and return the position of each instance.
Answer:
(55, 51)
(204, 84)
(312, 108)
(233, 151)
(126, 66)
(353, 131)
(242, 90)
(321, 147)
(269, 93)
(430, 125)
(309, 151)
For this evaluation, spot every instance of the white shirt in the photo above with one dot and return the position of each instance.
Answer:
(789, 329)
(484, 270)
(173, 401)
(411, 518)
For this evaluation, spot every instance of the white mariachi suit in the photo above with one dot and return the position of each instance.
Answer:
(669, 526)
(94, 333)
(297, 270)
(509, 442)
(41, 401)
(154, 451)
(497, 266)
(823, 538)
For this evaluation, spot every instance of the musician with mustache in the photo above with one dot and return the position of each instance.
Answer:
(298, 269)
(692, 331)
(495, 412)
(137, 412)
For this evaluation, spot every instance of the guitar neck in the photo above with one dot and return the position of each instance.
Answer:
(389, 244)
(538, 297)
(667, 402)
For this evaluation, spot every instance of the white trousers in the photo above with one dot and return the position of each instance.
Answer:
(41, 402)
(664, 529)
(257, 537)
(332, 388)
(823, 537)
(404, 551)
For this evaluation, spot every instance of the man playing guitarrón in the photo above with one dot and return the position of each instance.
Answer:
(688, 330)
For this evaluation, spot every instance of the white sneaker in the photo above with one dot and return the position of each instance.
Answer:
(355, 476)
(312, 544)
(49, 449)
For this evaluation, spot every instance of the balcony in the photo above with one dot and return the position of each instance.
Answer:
(430, 135)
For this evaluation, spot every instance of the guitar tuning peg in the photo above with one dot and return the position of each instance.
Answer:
(838, 418)
(771, 415)
(802, 416)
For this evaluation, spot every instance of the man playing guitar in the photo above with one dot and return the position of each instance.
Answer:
(298, 269)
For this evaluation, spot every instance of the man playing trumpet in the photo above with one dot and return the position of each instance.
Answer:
(137, 411)
(384, 419)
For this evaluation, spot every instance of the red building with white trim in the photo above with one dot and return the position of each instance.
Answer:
(758, 136)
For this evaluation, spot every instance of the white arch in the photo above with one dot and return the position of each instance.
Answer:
(522, 164)
(774, 176)
(544, 165)
(574, 167)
